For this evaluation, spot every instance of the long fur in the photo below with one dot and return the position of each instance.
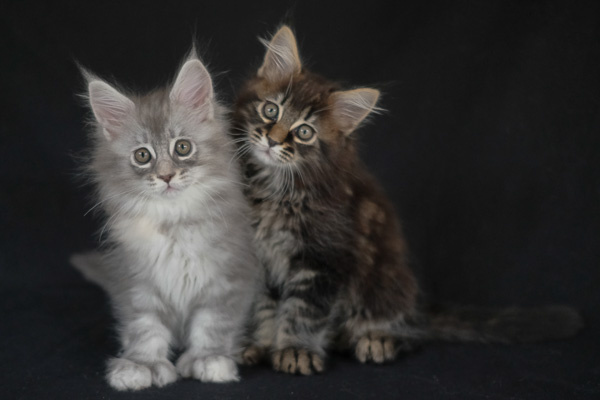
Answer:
(336, 262)
(177, 262)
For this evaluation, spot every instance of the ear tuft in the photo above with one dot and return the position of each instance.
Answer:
(282, 60)
(351, 107)
(193, 88)
(110, 107)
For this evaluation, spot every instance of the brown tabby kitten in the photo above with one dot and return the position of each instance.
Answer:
(333, 252)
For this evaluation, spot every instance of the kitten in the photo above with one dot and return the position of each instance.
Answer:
(335, 260)
(179, 266)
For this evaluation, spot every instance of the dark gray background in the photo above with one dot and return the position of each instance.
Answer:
(489, 148)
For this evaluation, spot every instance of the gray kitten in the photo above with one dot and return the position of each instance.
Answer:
(179, 266)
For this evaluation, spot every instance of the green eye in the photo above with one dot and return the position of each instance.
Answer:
(142, 155)
(271, 111)
(305, 132)
(183, 147)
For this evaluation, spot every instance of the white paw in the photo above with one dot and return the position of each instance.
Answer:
(163, 373)
(127, 375)
(208, 369)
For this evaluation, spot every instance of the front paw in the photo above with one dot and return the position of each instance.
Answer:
(208, 369)
(297, 361)
(163, 373)
(375, 348)
(253, 354)
(124, 374)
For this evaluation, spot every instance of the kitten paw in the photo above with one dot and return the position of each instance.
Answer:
(163, 373)
(208, 369)
(297, 361)
(376, 348)
(124, 374)
(252, 355)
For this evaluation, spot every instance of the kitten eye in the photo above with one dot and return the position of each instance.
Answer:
(142, 155)
(183, 147)
(304, 132)
(271, 111)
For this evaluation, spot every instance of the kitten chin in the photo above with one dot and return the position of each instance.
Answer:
(334, 254)
(265, 155)
(178, 263)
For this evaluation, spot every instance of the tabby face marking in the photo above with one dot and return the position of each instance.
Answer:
(289, 118)
(165, 168)
(158, 145)
(279, 131)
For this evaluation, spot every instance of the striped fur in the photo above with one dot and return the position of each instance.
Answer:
(334, 256)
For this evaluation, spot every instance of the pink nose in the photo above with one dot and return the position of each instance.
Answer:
(166, 178)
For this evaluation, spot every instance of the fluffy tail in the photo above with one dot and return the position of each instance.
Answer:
(91, 265)
(509, 325)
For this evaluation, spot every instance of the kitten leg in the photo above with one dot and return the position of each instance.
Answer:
(214, 340)
(303, 323)
(262, 330)
(143, 361)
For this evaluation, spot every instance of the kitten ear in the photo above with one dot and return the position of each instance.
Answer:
(282, 60)
(193, 89)
(349, 108)
(110, 107)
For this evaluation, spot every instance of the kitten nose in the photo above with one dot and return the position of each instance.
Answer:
(278, 133)
(166, 178)
(272, 142)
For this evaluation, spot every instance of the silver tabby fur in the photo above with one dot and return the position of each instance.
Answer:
(178, 263)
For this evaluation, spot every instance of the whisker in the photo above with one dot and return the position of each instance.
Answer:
(108, 198)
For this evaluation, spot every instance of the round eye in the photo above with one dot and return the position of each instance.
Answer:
(142, 155)
(305, 132)
(271, 111)
(183, 147)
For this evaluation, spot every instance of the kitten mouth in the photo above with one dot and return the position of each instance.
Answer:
(170, 190)
(266, 155)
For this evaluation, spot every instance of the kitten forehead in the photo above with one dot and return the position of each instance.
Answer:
(154, 111)
(158, 120)
(306, 90)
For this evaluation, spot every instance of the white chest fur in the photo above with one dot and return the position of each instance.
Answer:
(179, 263)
